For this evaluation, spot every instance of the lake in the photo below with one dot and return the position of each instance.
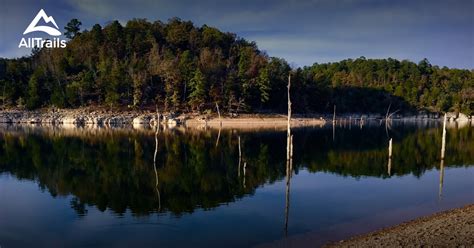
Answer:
(113, 188)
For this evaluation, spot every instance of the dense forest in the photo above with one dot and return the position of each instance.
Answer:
(181, 67)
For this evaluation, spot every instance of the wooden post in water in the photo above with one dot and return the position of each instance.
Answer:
(334, 115)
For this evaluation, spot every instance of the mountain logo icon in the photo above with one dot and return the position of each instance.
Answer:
(47, 29)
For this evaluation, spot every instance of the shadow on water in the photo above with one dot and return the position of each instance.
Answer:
(111, 169)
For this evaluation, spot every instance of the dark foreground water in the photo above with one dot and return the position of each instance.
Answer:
(101, 188)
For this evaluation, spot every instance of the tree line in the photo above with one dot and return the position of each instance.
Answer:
(181, 67)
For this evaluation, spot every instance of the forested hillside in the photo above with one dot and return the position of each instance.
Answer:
(184, 68)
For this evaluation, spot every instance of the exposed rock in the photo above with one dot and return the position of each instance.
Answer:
(34, 120)
(462, 117)
(141, 120)
(172, 122)
(94, 120)
(4, 119)
(153, 122)
(114, 120)
(72, 120)
(80, 117)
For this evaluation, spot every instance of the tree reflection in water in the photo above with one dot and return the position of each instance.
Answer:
(108, 168)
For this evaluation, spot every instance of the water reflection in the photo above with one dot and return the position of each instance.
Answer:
(157, 127)
(443, 151)
(110, 169)
(289, 173)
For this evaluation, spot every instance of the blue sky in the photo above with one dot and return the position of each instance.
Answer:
(302, 32)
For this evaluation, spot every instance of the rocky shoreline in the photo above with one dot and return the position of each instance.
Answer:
(82, 117)
(77, 117)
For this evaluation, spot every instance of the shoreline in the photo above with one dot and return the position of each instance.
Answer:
(142, 119)
(453, 227)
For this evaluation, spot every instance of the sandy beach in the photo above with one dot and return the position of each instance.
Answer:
(452, 228)
(250, 122)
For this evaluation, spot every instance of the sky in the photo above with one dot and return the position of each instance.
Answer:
(302, 32)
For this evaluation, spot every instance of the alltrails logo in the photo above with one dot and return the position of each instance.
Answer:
(41, 42)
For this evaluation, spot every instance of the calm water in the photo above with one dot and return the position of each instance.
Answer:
(97, 188)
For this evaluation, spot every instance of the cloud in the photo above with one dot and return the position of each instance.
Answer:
(300, 31)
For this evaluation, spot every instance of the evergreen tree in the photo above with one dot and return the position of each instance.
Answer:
(34, 90)
(197, 90)
(72, 28)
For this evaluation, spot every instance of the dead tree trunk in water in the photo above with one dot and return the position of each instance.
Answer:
(443, 144)
(388, 111)
(218, 137)
(245, 170)
(240, 156)
(219, 113)
(390, 148)
(289, 160)
(441, 165)
(4, 98)
(157, 118)
(289, 172)
(334, 124)
(154, 158)
(441, 179)
(288, 155)
(220, 125)
(389, 166)
(291, 148)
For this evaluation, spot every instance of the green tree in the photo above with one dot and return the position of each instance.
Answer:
(197, 95)
(264, 86)
(72, 28)
(114, 90)
(34, 90)
(180, 66)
